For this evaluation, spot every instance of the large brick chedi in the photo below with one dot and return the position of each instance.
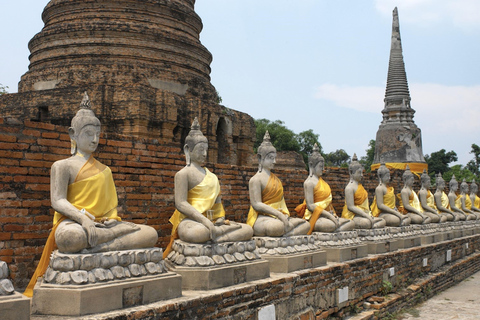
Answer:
(399, 140)
(143, 66)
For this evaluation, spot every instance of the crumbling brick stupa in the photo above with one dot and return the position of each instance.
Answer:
(143, 66)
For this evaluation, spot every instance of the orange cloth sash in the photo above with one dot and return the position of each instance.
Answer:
(322, 196)
(360, 201)
(412, 201)
(388, 200)
(272, 195)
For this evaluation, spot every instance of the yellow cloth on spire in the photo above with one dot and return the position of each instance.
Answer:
(202, 197)
(431, 200)
(92, 190)
(415, 167)
(360, 201)
(272, 195)
(388, 200)
(322, 197)
(412, 201)
(445, 201)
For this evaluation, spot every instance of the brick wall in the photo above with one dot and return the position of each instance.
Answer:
(143, 170)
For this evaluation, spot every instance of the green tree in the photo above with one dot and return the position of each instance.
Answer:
(3, 89)
(460, 172)
(306, 140)
(337, 158)
(282, 138)
(474, 165)
(367, 160)
(438, 162)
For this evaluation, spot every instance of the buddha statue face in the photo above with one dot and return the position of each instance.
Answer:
(196, 145)
(474, 188)
(464, 187)
(318, 169)
(453, 185)
(440, 184)
(383, 174)
(199, 153)
(409, 181)
(84, 132)
(357, 175)
(268, 162)
(426, 183)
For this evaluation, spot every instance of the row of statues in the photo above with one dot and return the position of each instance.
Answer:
(84, 198)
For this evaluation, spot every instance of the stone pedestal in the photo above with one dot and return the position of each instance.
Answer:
(14, 307)
(80, 284)
(288, 254)
(342, 254)
(216, 265)
(341, 246)
(378, 240)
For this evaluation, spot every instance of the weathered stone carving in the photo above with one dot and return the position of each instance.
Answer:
(6, 287)
(441, 200)
(427, 201)
(452, 199)
(409, 203)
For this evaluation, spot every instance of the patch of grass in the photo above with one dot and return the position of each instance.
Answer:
(386, 288)
(413, 312)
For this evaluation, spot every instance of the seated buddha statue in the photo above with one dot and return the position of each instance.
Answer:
(85, 201)
(464, 202)
(317, 207)
(408, 200)
(452, 199)
(441, 200)
(383, 205)
(473, 197)
(200, 216)
(269, 215)
(426, 200)
(356, 206)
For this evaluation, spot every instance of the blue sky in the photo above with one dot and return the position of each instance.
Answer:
(322, 64)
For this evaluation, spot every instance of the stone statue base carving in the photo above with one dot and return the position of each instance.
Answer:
(215, 265)
(341, 246)
(13, 305)
(287, 254)
(80, 284)
(378, 240)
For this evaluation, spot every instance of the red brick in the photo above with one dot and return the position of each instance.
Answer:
(8, 138)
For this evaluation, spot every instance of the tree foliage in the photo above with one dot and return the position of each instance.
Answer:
(474, 165)
(3, 89)
(438, 162)
(367, 160)
(285, 139)
(338, 158)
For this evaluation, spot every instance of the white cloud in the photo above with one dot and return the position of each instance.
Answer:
(440, 108)
(463, 14)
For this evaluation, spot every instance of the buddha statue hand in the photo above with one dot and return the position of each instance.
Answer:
(89, 227)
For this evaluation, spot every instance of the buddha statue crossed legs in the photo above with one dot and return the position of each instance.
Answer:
(85, 201)
(269, 215)
(197, 195)
(356, 206)
(427, 201)
(441, 200)
(383, 205)
(409, 203)
(317, 207)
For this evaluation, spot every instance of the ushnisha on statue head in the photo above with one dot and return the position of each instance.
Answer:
(264, 150)
(440, 182)
(84, 117)
(314, 159)
(194, 137)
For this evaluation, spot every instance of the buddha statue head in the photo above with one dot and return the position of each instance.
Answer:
(85, 129)
(316, 162)
(453, 184)
(383, 173)
(473, 187)
(266, 153)
(355, 169)
(425, 179)
(464, 186)
(440, 182)
(408, 177)
(196, 144)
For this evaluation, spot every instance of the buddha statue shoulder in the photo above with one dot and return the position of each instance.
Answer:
(84, 198)
(464, 202)
(427, 201)
(441, 200)
(384, 205)
(269, 215)
(200, 216)
(473, 196)
(356, 206)
(317, 207)
(409, 203)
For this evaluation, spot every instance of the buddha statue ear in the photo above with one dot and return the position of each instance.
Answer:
(186, 150)
(73, 143)
(260, 167)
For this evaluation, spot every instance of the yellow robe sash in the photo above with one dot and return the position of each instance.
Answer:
(92, 190)
(445, 201)
(360, 201)
(412, 200)
(202, 197)
(431, 200)
(388, 200)
(272, 195)
(458, 202)
(477, 202)
(322, 195)
(468, 202)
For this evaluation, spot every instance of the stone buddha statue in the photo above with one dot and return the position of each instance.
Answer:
(464, 202)
(452, 199)
(269, 215)
(199, 216)
(441, 200)
(409, 203)
(384, 205)
(427, 201)
(85, 201)
(356, 206)
(473, 197)
(317, 207)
